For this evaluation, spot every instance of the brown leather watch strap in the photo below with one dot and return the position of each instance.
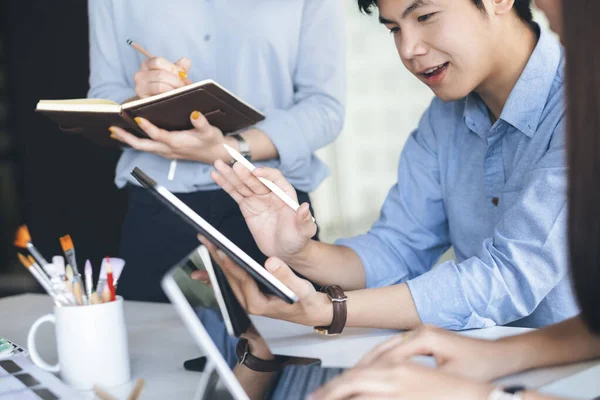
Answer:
(340, 311)
(254, 363)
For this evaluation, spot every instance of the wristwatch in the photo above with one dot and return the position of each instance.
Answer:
(340, 311)
(507, 393)
(254, 363)
(243, 145)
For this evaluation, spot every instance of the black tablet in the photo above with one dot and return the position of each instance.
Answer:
(266, 281)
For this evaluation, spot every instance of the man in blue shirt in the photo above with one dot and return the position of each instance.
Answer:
(484, 172)
(285, 58)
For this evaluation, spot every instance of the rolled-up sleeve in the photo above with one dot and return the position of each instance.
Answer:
(412, 231)
(516, 268)
(316, 117)
(107, 76)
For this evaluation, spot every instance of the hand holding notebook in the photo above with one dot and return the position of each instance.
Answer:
(169, 111)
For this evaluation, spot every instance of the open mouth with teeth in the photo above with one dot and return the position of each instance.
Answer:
(435, 71)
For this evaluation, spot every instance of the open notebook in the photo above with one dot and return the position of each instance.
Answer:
(170, 110)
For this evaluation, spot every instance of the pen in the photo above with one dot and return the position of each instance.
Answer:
(182, 75)
(272, 186)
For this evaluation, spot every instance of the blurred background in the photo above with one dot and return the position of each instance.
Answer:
(70, 190)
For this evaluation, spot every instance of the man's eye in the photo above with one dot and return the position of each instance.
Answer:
(425, 17)
(394, 30)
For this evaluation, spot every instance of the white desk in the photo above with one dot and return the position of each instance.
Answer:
(159, 343)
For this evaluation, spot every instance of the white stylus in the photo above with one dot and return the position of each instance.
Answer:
(272, 186)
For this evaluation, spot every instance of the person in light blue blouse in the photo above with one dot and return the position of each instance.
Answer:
(285, 58)
(484, 172)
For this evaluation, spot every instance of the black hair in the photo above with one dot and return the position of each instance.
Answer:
(522, 8)
(583, 132)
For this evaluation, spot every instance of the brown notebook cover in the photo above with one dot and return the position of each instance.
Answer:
(171, 111)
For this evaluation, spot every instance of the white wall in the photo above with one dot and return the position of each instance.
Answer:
(384, 105)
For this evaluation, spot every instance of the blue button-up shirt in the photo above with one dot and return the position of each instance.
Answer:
(284, 57)
(497, 193)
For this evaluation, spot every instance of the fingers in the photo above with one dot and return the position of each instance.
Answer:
(200, 123)
(184, 63)
(246, 176)
(162, 64)
(228, 173)
(305, 222)
(275, 176)
(154, 132)
(147, 145)
(381, 349)
(281, 271)
(201, 276)
(226, 185)
(423, 341)
(157, 75)
(365, 383)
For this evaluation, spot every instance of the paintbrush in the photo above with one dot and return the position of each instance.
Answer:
(23, 240)
(58, 299)
(67, 245)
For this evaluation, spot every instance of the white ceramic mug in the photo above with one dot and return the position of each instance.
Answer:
(91, 342)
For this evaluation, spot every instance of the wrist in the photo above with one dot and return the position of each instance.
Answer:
(514, 355)
(320, 311)
(222, 153)
(301, 258)
(260, 350)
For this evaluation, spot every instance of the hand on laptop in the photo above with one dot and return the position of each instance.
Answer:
(478, 359)
(278, 230)
(403, 381)
(312, 308)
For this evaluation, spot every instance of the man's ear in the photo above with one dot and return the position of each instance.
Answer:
(501, 7)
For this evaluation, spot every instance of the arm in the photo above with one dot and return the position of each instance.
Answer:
(410, 235)
(564, 343)
(519, 265)
(107, 76)
(255, 383)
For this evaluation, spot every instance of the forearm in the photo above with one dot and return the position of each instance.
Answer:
(386, 308)
(327, 264)
(261, 146)
(563, 343)
(255, 384)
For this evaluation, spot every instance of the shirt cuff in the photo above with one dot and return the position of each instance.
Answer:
(440, 299)
(281, 127)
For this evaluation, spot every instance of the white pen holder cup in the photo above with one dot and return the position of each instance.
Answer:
(91, 342)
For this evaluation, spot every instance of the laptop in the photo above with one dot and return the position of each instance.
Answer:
(196, 302)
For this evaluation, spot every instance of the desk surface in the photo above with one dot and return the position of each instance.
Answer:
(159, 343)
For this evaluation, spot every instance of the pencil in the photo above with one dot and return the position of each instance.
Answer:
(139, 48)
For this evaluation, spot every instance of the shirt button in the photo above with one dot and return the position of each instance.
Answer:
(206, 38)
(495, 201)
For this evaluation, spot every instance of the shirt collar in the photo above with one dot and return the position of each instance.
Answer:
(527, 100)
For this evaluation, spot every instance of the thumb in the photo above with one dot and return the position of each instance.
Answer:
(281, 271)
(184, 63)
(304, 221)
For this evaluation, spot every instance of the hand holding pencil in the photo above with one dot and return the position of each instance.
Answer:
(158, 75)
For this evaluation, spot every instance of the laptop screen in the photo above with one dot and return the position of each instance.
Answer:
(207, 316)
(211, 298)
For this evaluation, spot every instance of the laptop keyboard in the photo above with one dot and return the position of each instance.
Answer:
(298, 381)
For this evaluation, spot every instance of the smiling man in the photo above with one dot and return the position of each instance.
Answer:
(483, 172)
